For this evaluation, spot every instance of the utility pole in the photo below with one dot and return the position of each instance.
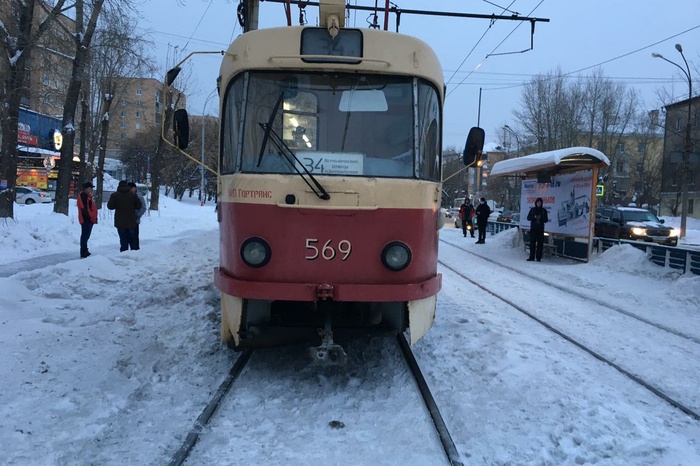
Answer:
(251, 13)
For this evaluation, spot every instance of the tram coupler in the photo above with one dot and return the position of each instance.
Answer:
(328, 353)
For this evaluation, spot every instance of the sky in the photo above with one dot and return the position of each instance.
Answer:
(581, 36)
(109, 360)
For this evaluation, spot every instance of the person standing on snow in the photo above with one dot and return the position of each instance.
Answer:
(139, 212)
(124, 203)
(537, 218)
(482, 218)
(466, 213)
(87, 216)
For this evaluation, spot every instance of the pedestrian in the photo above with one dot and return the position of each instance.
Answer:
(87, 216)
(537, 218)
(139, 212)
(482, 218)
(124, 203)
(466, 213)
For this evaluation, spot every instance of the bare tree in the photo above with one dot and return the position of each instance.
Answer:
(610, 110)
(19, 34)
(83, 38)
(551, 111)
(117, 52)
(647, 162)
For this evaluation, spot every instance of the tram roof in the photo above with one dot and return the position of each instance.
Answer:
(555, 161)
(384, 52)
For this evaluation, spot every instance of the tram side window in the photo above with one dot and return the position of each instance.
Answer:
(231, 121)
(429, 123)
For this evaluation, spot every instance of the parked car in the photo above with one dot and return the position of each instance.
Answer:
(28, 195)
(505, 216)
(634, 224)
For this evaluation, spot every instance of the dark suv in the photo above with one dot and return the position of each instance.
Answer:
(633, 224)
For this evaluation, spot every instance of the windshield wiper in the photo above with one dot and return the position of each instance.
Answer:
(288, 155)
(268, 128)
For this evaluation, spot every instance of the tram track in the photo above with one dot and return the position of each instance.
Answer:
(588, 297)
(650, 386)
(191, 439)
(202, 422)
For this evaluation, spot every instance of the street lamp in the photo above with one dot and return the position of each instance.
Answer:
(686, 153)
(202, 197)
(517, 139)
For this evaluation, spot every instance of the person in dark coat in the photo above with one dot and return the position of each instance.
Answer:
(87, 216)
(139, 213)
(125, 203)
(466, 213)
(482, 219)
(537, 218)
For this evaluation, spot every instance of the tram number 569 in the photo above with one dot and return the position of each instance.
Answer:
(328, 251)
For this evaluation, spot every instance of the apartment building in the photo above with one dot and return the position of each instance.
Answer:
(137, 110)
(50, 63)
(673, 157)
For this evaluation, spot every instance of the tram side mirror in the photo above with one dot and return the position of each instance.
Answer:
(474, 146)
(181, 128)
(171, 75)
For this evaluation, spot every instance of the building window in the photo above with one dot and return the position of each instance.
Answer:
(138, 103)
(679, 124)
(620, 149)
(47, 81)
(123, 101)
(123, 124)
(138, 125)
(123, 114)
(138, 91)
(641, 148)
(123, 135)
(619, 167)
(138, 114)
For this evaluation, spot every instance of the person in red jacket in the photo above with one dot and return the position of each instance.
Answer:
(87, 216)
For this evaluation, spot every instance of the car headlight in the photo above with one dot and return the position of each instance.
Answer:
(639, 231)
(674, 232)
(396, 256)
(255, 252)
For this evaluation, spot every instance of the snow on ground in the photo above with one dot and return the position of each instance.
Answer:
(109, 360)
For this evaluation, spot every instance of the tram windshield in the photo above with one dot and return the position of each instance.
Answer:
(333, 124)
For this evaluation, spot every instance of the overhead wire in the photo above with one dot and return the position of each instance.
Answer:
(197, 26)
(571, 73)
(494, 49)
(476, 44)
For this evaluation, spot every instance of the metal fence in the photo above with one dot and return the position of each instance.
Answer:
(678, 258)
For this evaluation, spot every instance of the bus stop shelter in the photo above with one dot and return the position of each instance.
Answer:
(566, 180)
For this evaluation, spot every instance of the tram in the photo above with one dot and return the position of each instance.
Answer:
(329, 184)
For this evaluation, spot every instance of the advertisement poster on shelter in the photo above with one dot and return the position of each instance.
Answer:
(566, 197)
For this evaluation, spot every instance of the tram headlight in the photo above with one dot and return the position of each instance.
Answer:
(396, 256)
(255, 252)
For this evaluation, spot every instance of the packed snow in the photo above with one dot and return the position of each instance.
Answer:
(109, 360)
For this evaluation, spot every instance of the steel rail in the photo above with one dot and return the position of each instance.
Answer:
(676, 404)
(181, 456)
(445, 437)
